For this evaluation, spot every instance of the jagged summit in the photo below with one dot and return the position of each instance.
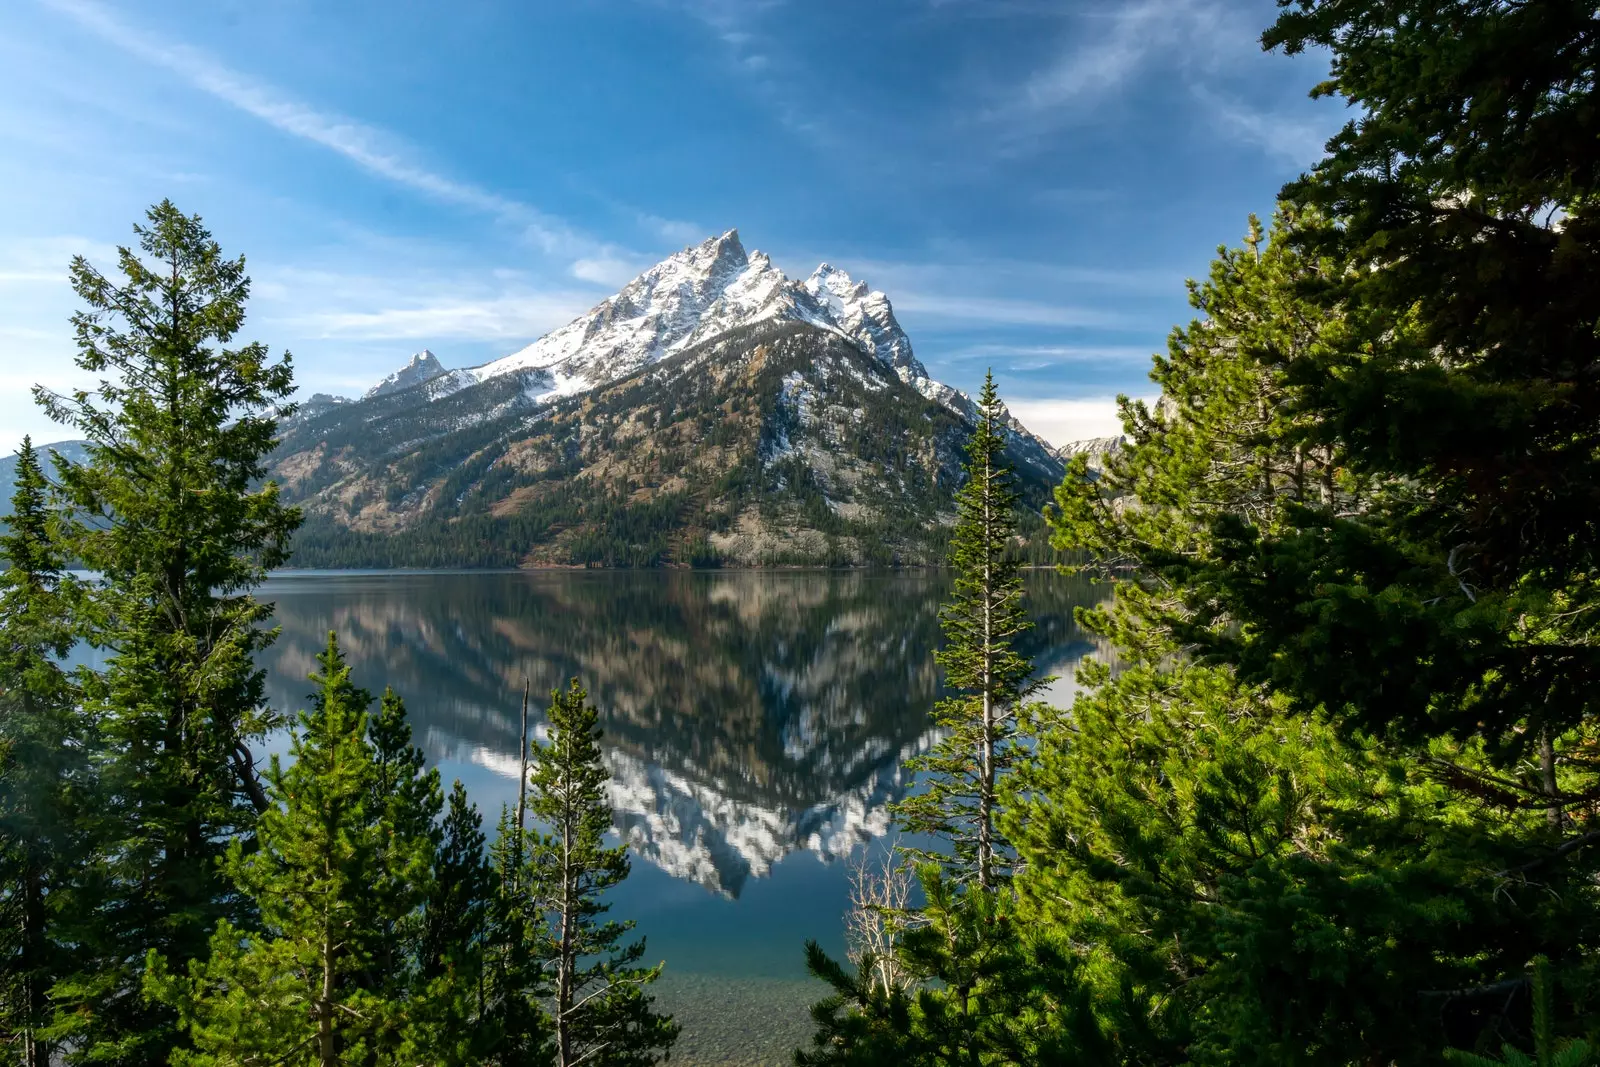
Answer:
(422, 367)
(712, 408)
(698, 294)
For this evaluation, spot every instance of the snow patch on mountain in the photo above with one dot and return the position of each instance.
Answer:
(693, 297)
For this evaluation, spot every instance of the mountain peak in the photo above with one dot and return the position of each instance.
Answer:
(831, 279)
(422, 367)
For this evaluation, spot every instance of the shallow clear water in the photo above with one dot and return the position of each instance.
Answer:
(755, 725)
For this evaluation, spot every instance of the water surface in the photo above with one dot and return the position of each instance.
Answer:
(755, 725)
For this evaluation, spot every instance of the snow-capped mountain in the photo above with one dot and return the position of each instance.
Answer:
(1097, 449)
(423, 366)
(712, 410)
(423, 369)
(687, 299)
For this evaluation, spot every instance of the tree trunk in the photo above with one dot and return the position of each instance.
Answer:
(986, 740)
(568, 952)
(327, 1056)
(522, 794)
(35, 1053)
(1547, 767)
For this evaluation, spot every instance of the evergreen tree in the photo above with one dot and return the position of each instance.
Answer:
(1463, 603)
(598, 1005)
(1547, 1050)
(405, 800)
(42, 763)
(454, 939)
(981, 624)
(302, 989)
(1253, 882)
(989, 992)
(170, 513)
(516, 986)
(978, 995)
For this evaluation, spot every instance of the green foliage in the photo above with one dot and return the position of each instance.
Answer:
(1256, 876)
(42, 767)
(1462, 600)
(977, 988)
(340, 873)
(987, 991)
(169, 512)
(1547, 1052)
(517, 1028)
(599, 1006)
(981, 623)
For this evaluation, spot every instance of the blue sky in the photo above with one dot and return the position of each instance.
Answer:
(1029, 182)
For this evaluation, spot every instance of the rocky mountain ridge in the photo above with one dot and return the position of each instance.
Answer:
(689, 298)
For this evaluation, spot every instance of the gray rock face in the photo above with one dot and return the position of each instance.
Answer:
(424, 366)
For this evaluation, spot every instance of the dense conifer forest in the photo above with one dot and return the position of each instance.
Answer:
(1329, 798)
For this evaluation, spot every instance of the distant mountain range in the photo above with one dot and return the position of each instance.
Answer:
(712, 411)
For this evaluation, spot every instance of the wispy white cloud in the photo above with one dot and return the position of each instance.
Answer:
(612, 271)
(372, 149)
(514, 317)
(1037, 357)
(1060, 421)
(1123, 41)
(45, 259)
(1296, 138)
(958, 271)
(1008, 311)
(1196, 45)
(480, 306)
(677, 231)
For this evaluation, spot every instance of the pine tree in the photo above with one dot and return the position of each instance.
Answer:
(170, 512)
(42, 764)
(990, 992)
(455, 939)
(1464, 602)
(1251, 881)
(303, 989)
(516, 986)
(981, 624)
(599, 1006)
(405, 800)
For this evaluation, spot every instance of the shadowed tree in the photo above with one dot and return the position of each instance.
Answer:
(42, 764)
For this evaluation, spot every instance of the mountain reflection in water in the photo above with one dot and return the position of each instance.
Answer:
(748, 715)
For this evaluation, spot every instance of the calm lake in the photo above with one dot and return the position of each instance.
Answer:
(755, 725)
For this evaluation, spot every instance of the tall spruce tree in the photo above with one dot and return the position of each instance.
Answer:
(1466, 375)
(406, 801)
(1250, 881)
(981, 624)
(454, 941)
(42, 763)
(984, 990)
(515, 983)
(170, 512)
(599, 1005)
(305, 988)
(1457, 611)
